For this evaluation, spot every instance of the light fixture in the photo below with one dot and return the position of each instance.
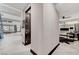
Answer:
(72, 22)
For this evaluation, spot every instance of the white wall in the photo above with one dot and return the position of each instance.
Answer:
(44, 28)
(50, 28)
(36, 27)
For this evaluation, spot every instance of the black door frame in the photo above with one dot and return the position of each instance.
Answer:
(25, 43)
(28, 9)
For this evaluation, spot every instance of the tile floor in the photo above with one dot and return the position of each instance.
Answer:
(66, 49)
(12, 45)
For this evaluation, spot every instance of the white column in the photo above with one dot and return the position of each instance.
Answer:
(36, 27)
(50, 28)
(44, 28)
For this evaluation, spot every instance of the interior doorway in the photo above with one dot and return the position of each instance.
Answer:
(28, 26)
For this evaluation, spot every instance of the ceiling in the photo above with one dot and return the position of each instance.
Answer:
(20, 6)
(67, 9)
(64, 9)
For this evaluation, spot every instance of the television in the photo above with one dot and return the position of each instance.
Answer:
(64, 29)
